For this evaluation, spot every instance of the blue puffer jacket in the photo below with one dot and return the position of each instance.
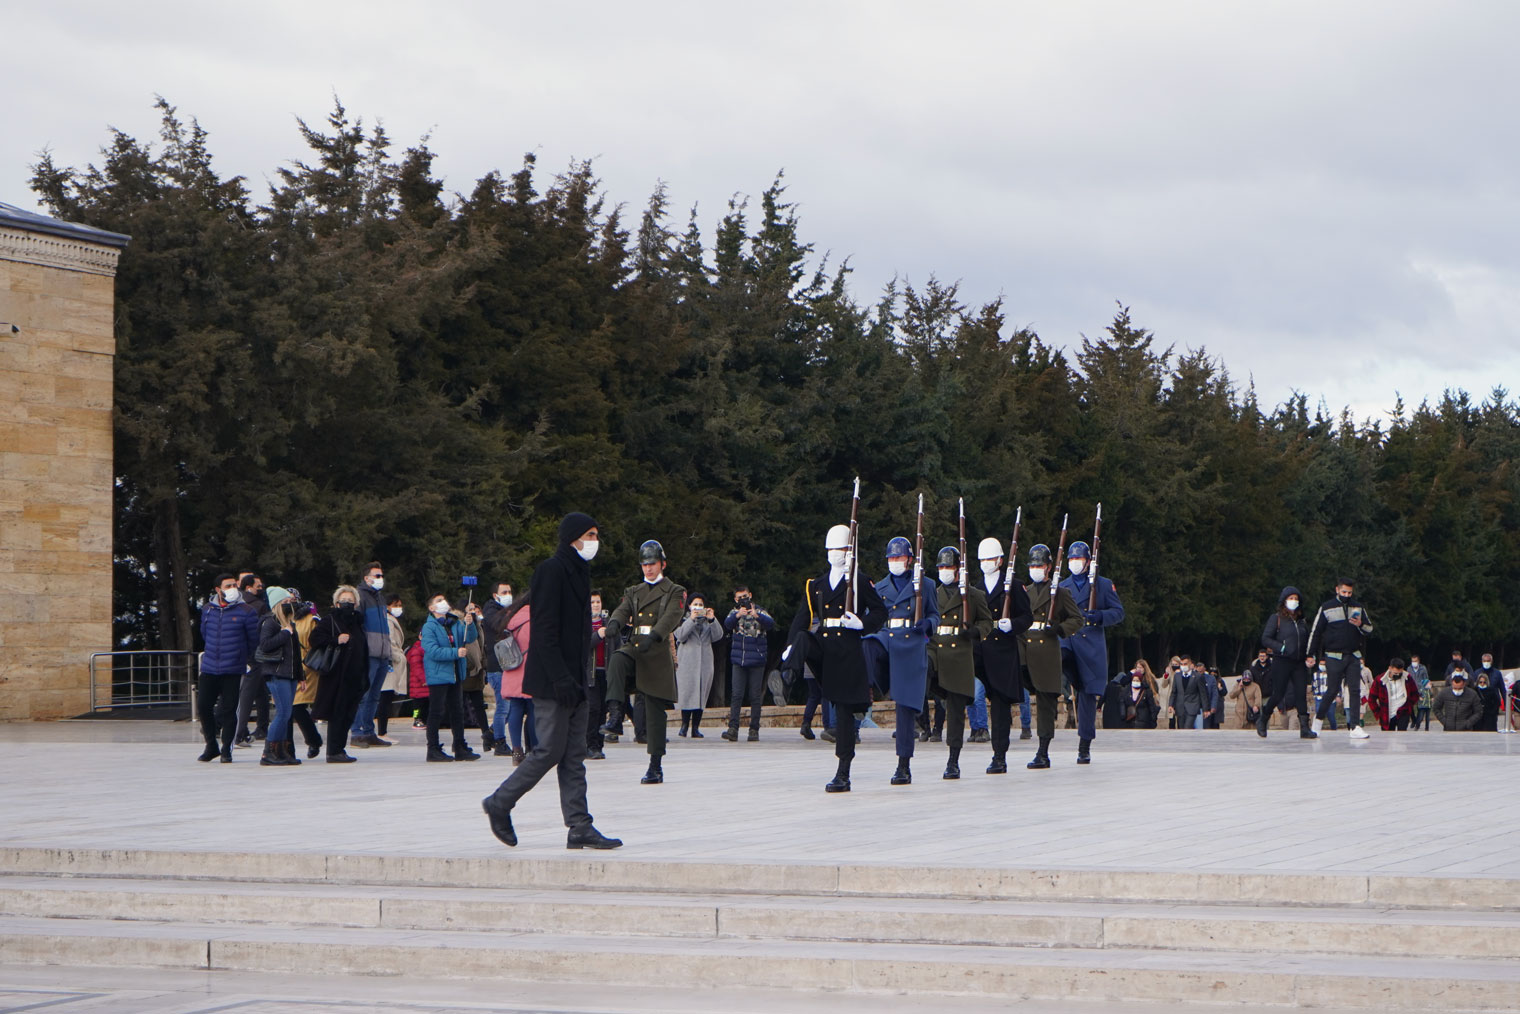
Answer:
(747, 642)
(230, 635)
(441, 641)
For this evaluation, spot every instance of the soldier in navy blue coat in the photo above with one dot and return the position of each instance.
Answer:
(1084, 655)
(898, 655)
(827, 637)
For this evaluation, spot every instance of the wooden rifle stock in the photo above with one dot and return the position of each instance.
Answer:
(918, 565)
(1092, 565)
(965, 602)
(1054, 577)
(1013, 559)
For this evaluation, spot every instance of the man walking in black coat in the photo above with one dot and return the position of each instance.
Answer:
(556, 674)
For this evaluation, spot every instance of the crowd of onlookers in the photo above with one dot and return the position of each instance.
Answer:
(283, 662)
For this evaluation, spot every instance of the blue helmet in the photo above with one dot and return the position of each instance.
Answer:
(899, 547)
(1079, 551)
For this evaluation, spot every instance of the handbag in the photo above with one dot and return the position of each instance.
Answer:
(508, 654)
(321, 660)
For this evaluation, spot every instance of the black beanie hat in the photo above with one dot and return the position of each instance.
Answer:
(574, 526)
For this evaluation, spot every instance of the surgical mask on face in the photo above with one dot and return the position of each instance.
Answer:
(836, 557)
(504, 600)
(1135, 684)
(396, 612)
(990, 567)
(947, 575)
(1036, 574)
(1078, 566)
(1458, 691)
(588, 549)
(440, 608)
(231, 594)
(377, 583)
(1292, 604)
(897, 567)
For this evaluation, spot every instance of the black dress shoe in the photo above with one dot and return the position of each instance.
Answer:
(439, 756)
(654, 776)
(312, 749)
(999, 766)
(903, 775)
(807, 733)
(340, 758)
(501, 822)
(589, 837)
(839, 784)
(1040, 761)
(209, 754)
(952, 772)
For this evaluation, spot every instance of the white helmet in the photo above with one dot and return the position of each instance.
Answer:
(989, 549)
(838, 538)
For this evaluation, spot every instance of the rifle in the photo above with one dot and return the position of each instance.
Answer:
(918, 565)
(965, 602)
(1055, 572)
(1013, 553)
(1092, 565)
(851, 562)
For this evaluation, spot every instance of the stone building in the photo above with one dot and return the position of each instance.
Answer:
(57, 348)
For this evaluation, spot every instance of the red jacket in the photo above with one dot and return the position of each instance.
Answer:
(1377, 700)
(416, 677)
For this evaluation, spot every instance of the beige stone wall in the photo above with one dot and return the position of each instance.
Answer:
(55, 477)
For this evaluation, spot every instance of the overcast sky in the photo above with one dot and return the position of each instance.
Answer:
(1323, 194)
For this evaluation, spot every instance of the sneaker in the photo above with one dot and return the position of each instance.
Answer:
(419, 725)
(1357, 732)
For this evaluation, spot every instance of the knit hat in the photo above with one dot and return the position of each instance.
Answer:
(574, 526)
(276, 596)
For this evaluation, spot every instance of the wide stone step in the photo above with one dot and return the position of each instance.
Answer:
(614, 871)
(1361, 930)
(1112, 975)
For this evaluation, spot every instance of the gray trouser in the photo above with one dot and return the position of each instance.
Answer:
(561, 744)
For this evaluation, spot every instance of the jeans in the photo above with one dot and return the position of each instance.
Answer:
(520, 718)
(499, 716)
(747, 683)
(364, 718)
(979, 707)
(1198, 720)
(284, 694)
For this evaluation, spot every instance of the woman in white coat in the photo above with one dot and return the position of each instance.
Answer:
(696, 635)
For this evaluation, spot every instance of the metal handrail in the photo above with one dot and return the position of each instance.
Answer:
(160, 681)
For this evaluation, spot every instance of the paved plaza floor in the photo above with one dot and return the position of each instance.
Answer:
(1423, 803)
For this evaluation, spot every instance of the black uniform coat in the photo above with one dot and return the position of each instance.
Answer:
(838, 659)
(1042, 643)
(999, 652)
(952, 647)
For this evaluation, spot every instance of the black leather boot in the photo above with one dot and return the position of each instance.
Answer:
(1024, 733)
(999, 765)
(1262, 718)
(841, 782)
(953, 768)
(271, 755)
(696, 724)
(211, 753)
(614, 723)
(1084, 751)
(1305, 728)
(654, 776)
(904, 775)
(1042, 756)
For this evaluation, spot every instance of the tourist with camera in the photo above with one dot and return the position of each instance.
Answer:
(749, 647)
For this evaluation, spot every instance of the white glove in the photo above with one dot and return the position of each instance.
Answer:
(851, 622)
(787, 653)
(1006, 626)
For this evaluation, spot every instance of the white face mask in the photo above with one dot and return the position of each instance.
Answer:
(947, 575)
(1134, 683)
(504, 600)
(836, 557)
(377, 583)
(1291, 604)
(1037, 574)
(396, 612)
(588, 549)
(990, 567)
(440, 608)
(232, 595)
(897, 567)
(1077, 566)
(1458, 690)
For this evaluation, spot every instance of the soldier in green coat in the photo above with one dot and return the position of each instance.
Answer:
(951, 648)
(648, 616)
(1040, 646)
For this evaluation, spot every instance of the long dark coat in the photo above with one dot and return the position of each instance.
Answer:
(1042, 644)
(834, 652)
(340, 688)
(999, 652)
(952, 646)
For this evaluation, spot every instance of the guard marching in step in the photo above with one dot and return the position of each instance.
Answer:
(648, 616)
(1084, 655)
(826, 633)
(1055, 617)
(998, 652)
(964, 621)
(897, 657)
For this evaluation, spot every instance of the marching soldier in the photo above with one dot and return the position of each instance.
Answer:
(998, 653)
(1084, 655)
(649, 614)
(1041, 647)
(827, 637)
(898, 656)
(952, 649)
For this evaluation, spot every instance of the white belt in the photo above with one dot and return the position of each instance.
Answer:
(643, 630)
(947, 631)
(1037, 626)
(834, 621)
(899, 622)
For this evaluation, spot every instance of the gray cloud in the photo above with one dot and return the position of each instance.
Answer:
(1322, 194)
